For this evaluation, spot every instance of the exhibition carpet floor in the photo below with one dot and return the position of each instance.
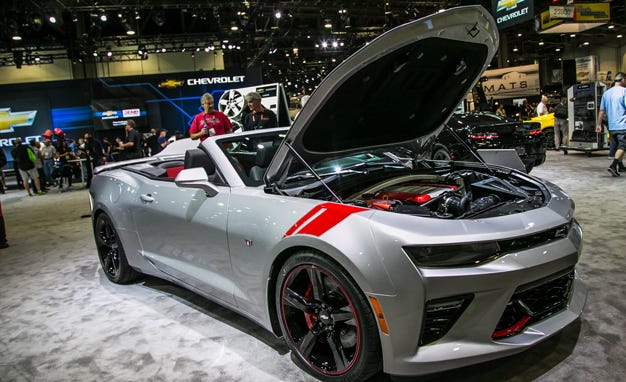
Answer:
(62, 320)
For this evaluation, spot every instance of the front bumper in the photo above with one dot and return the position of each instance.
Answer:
(492, 287)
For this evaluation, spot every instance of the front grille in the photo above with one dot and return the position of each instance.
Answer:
(534, 302)
(440, 315)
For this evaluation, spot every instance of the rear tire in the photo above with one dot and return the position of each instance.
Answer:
(111, 253)
(548, 138)
(326, 320)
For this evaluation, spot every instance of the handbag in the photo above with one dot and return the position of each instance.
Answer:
(31, 155)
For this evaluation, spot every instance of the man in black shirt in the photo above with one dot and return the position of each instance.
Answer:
(132, 143)
(259, 117)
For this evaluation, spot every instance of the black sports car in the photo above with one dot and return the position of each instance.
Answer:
(484, 130)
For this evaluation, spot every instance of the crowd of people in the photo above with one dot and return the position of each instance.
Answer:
(58, 161)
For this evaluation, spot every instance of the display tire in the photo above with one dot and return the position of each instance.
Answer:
(441, 153)
(111, 252)
(326, 320)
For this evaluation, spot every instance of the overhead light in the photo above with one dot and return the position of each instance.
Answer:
(541, 43)
(52, 20)
(277, 14)
(103, 17)
(572, 35)
(619, 36)
(233, 27)
(611, 26)
(328, 24)
(515, 49)
(557, 49)
(129, 30)
(586, 43)
(16, 37)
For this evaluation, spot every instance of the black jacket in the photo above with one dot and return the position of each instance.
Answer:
(20, 154)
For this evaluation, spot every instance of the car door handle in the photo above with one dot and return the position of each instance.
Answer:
(147, 198)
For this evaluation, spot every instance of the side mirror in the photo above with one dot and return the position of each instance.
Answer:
(196, 178)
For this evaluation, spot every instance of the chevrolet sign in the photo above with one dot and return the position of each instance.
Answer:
(511, 12)
(216, 80)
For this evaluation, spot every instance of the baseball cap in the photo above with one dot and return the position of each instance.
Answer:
(619, 77)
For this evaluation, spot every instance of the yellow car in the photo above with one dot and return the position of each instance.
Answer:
(547, 128)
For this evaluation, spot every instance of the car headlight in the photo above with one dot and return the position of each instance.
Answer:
(453, 255)
(470, 254)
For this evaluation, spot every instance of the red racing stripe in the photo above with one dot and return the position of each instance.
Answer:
(328, 216)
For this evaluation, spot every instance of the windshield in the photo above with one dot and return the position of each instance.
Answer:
(251, 154)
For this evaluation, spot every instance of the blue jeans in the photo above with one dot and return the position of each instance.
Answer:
(48, 166)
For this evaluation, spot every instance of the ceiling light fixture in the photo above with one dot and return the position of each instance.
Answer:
(328, 24)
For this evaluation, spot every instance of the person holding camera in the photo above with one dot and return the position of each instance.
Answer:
(209, 122)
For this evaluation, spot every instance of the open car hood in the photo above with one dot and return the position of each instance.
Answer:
(401, 87)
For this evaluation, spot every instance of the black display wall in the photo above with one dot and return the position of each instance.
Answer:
(102, 106)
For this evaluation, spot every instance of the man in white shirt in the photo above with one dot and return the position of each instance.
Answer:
(542, 108)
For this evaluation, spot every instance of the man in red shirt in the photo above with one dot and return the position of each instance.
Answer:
(209, 122)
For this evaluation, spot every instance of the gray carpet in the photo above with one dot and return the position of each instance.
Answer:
(61, 320)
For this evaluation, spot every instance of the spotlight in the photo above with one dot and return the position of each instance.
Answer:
(103, 17)
(129, 30)
(278, 15)
(52, 20)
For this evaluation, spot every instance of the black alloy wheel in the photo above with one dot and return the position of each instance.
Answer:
(326, 320)
(111, 252)
(548, 138)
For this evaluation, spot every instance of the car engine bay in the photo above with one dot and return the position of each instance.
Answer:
(456, 194)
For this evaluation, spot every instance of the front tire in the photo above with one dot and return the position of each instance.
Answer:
(326, 320)
(111, 253)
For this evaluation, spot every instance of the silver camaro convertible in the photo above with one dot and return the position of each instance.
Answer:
(340, 236)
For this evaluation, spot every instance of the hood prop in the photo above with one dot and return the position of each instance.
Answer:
(468, 147)
(295, 153)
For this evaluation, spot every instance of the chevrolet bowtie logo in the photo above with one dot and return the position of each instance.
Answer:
(9, 120)
(507, 5)
(170, 84)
